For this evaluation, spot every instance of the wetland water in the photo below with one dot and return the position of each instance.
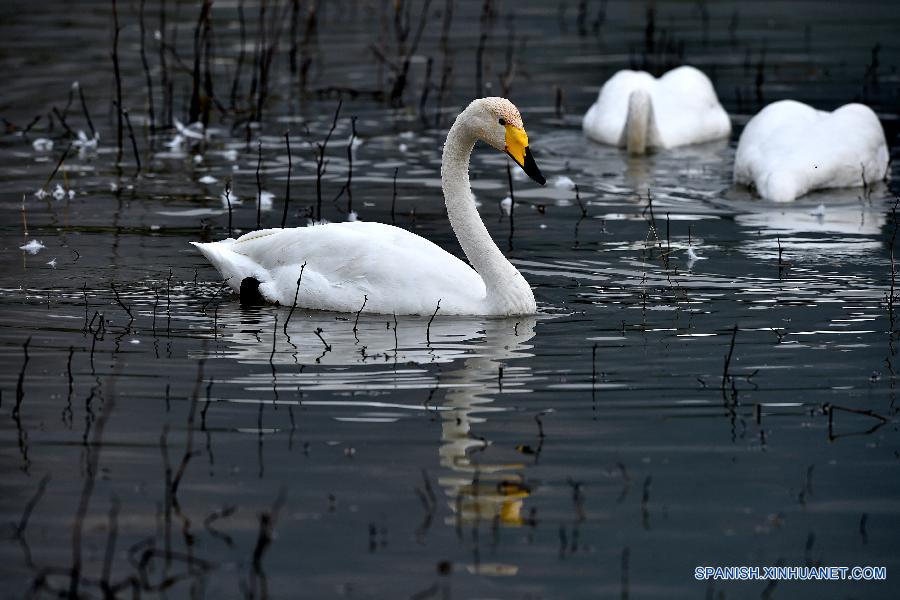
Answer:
(195, 448)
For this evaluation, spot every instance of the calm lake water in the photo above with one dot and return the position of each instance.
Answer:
(160, 441)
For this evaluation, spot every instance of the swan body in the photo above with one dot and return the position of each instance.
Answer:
(637, 111)
(394, 270)
(789, 149)
(384, 269)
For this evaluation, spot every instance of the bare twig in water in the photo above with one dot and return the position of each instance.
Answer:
(405, 53)
(296, 294)
(267, 522)
(426, 87)
(395, 339)
(258, 184)
(134, 148)
(429, 503)
(428, 328)
(394, 195)
(62, 121)
(19, 533)
(347, 184)
(118, 75)
(318, 333)
(274, 339)
(829, 410)
(84, 109)
(207, 303)
(20, 389)
(122, 304)
(219, 514)
(728, 357)
(228, 202)
(507, 77)
(447, 59)
(359, 312)
(195, 108)
(112, 533)
(58, 165)
(146, 66)
(781, 263)
(321, 162)
(559, 103)
(165, 84)
(580, 203)
(487, 23)
(584, 212)
(287, 190)
(189, 451)
(87, 490)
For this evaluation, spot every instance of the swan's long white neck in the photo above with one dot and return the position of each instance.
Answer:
(507, 290)
(637, 124)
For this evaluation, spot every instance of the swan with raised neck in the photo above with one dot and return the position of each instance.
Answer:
(371, 267)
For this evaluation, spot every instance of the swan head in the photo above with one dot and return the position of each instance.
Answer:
(497, 122)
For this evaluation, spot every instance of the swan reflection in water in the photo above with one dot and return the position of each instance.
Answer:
(479, 490)
(476, 348)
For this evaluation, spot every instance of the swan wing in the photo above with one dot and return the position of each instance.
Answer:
(686, 109)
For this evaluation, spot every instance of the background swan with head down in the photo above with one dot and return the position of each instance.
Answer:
(789, 149)
(640, 112)
(385, 269)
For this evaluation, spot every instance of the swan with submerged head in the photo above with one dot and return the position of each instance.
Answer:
(640, 112)
(388, 269)
(789, 149)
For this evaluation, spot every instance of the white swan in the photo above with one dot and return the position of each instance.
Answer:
(390, 269)
(789, 149)
(637, 111)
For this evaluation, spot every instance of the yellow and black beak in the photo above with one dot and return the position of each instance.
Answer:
(517, 148)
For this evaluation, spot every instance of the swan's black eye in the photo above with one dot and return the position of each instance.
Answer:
(502, 121)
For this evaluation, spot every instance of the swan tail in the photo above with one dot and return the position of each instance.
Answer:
(233, 267)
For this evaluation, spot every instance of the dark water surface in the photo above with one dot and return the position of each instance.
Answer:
(600, 449)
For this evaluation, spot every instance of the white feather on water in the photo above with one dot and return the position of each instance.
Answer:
(61, 194)
(83, 142)
(42, 145)
(693, 256)
(563, 182)
(33, 247)
(230, 197)
(265, 199)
